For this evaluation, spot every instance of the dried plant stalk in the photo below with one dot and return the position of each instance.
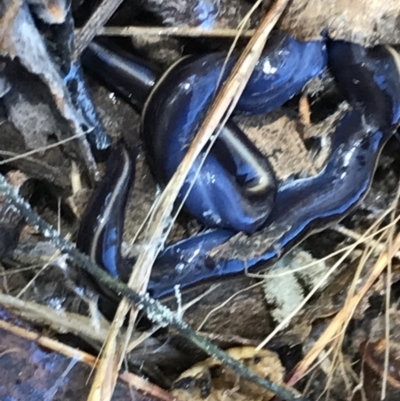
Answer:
(223, 106)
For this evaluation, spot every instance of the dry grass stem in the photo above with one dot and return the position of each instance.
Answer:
(88, 359)
(378, 246)
(112, 357)
(133, 344)
(59, 321)
(350, 248)
(226, 302)
(192, 32)
(39, 273)
(360, 240)
(338, 340)
(387, 300)
(372, 247)
(156, 311)
(337, 322)
(27, 158)
(96, 22)
(49, 343)
(41, 149)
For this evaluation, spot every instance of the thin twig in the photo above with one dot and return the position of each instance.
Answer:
(388, 298)
(96, 22)
(337, 322)
(39, 273)
(135, 343)
(379, 246)
(337, 342)
(88, 359)
(41, 149)
(53, 170)
(219, 112)
(155, 311)
(59, 321)
(227, 98)
(361, 240)
(226, 302)
(221, 109)
(192, 32)
(336, 329)
(325, 277)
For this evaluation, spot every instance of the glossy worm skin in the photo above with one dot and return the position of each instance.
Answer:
(101, 229)
(131, 77)
(371, 79)
(236, 161)
(177, 106)
(302, 207)
(242, 170)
